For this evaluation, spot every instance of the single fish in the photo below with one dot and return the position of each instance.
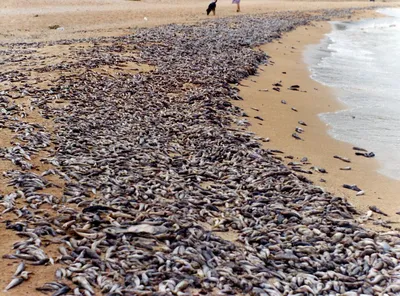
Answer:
(62, 291)
(296, 136)
(302, 123)
(378, 211)
(352, 187)
(20, 268)
(345, 159)
(14, 282)
(346, 168)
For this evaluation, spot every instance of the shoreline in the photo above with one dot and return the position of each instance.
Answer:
(279, 122)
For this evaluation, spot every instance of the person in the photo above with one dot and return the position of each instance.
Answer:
(237, 2)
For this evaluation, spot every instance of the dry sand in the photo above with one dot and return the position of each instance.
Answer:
(280, 122)
(29, 20)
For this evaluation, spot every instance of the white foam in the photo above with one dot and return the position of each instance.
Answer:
(361, 61)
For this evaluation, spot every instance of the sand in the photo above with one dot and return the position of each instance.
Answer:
(280, 122)
(29, 20)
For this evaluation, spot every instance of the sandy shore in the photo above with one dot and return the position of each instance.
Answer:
(27, 20)
(99, 18)
(280, 122)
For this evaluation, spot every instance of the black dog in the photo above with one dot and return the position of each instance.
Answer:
(212, 7)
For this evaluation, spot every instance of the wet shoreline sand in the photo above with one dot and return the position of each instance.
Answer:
(287, 55)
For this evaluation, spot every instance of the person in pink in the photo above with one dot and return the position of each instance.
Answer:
(237, 2)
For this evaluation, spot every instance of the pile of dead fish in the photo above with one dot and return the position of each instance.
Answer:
(162, 195)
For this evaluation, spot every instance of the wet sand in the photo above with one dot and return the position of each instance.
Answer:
(312, 99)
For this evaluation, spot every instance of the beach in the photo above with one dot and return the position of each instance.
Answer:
(30, 20)
(280, 122)
(128, 167)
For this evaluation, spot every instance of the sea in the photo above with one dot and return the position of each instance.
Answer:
(361, 61)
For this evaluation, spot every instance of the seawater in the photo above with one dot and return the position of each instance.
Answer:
(361, 61)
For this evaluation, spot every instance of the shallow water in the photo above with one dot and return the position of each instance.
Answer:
(361, 61)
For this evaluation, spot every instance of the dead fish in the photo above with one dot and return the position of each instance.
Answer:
(20, 268)
(299, 130)
(346, 168)
(378, 211)
(259, 118)
(294, 109)
(345, 159)
(351, 187)
(318, 169)
(366, 154)
(283, 102)
(264, 90)
(359, 149)
(62, 291)
(83, 282)
(255, 109)
(294, 87)
(304, 159)
(302, 123)
(14, 282)
(296, 136)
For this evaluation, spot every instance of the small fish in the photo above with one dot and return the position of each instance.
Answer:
(378, 211)
(296, 136)
(259, 118)
(359, 149)
(283, 102)
(299, 130)
(20, 268)
(294, 109)
(346, 168)
(366, 154)
(62, 291)
(318, 169)
(345, 159)
(302, 123)
(352, 187)
(83, 282)
(14, 282)
(294, 87)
